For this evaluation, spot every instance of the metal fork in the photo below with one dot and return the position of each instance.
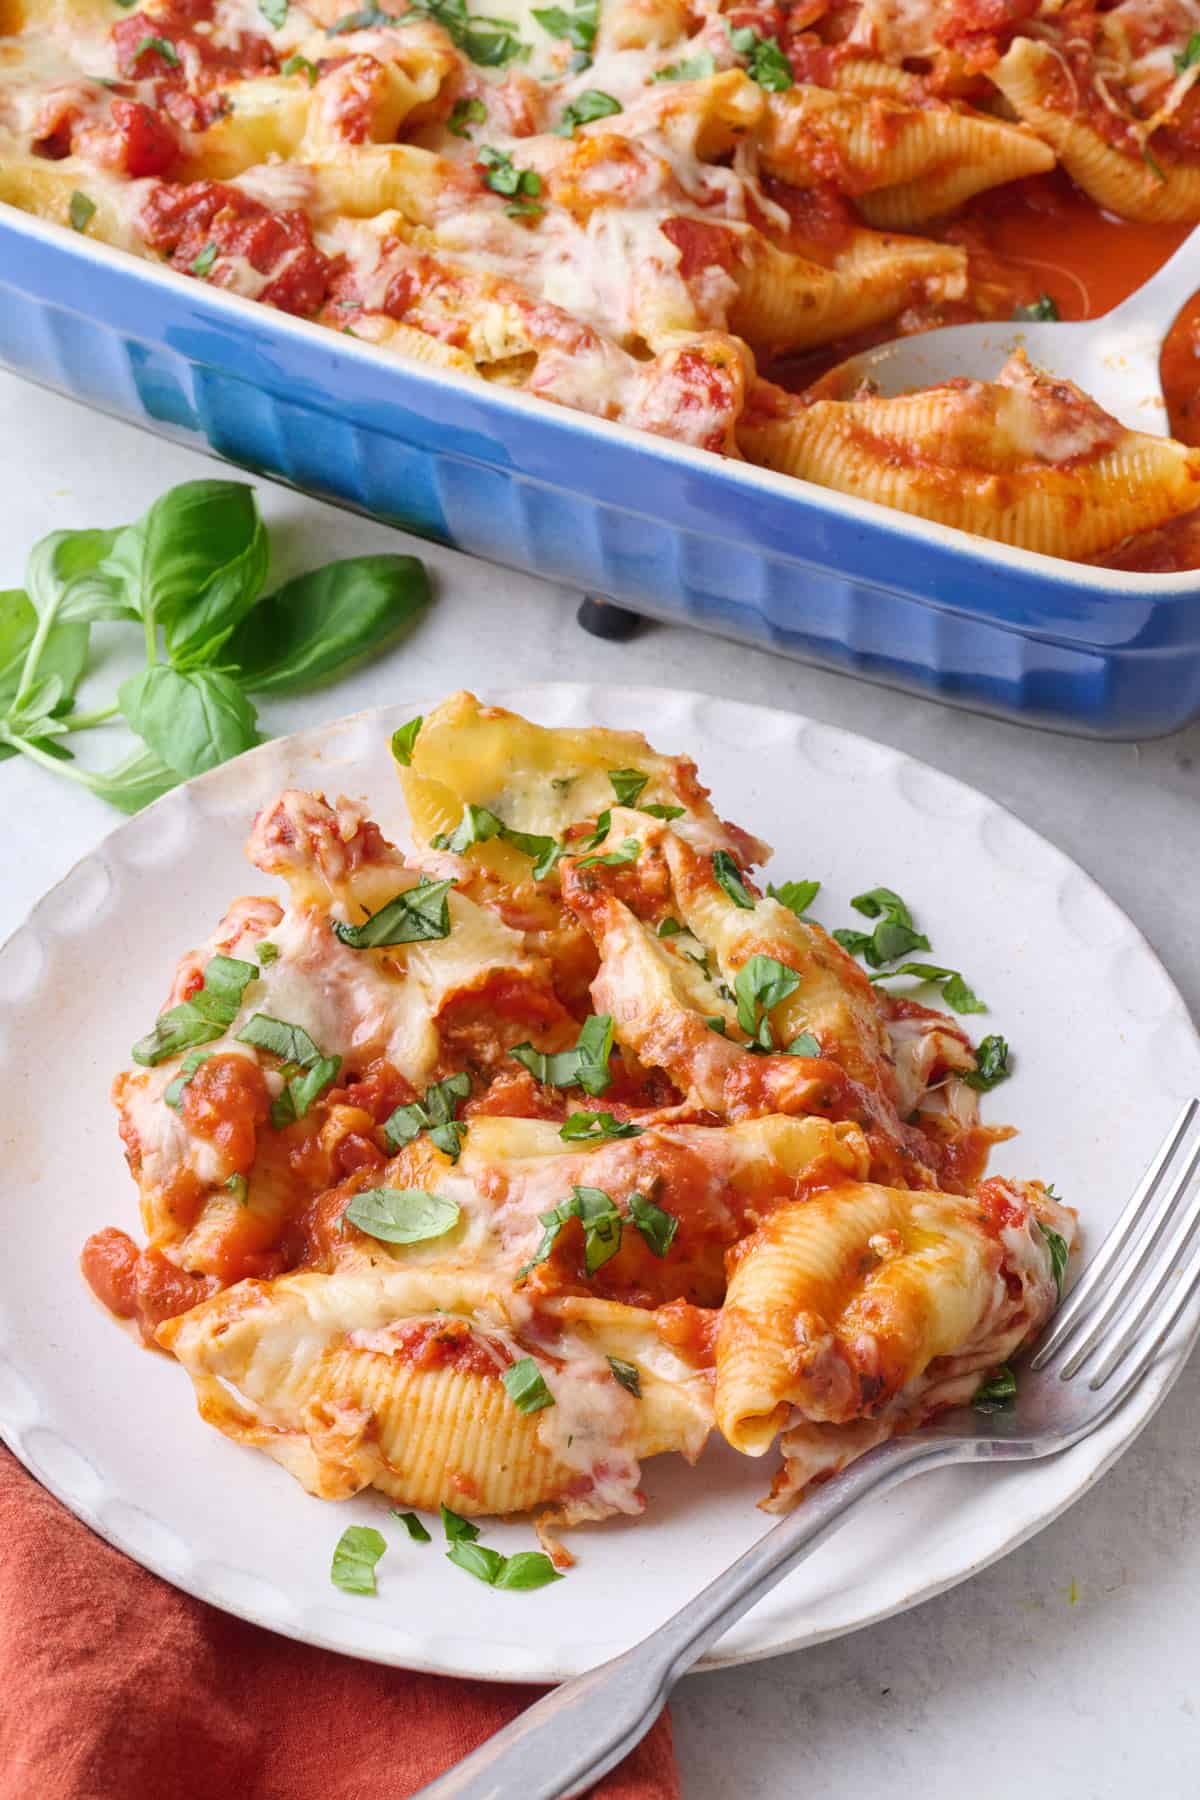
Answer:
(1116, 1319)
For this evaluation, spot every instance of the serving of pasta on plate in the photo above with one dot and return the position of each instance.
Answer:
(480, 1174)
(643, 209)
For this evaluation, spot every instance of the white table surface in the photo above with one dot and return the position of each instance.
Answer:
(1070, 1670)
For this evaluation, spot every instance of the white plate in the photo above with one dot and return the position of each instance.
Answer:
(1104, 1054)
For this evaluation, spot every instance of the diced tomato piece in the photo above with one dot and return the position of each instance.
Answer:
(184, 221)
(148, 144)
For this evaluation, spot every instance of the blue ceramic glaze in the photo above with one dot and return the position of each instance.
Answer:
(669, 531)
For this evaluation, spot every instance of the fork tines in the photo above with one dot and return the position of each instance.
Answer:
(1144, 1273)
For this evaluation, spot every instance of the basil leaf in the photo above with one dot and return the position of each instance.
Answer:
(81, 210)
(718, 1025)
(670, 928)
(525, 1386)
(991, 1065)
(1044, 307)
(658, 811)
(692, 68)
(418, 915)
(855, 942)
(301, 1091)
(603, 827)
(579, 27)
(627, 852)
(66, 579)
(486, 1565)
(957, 995)
(275, 12)
(290, 1043)
(656, 1226)
(479, 826)
(770, 67)
(592, 104)
(63, 651)
(502, 177)
(192, 721)
(464, 113)
(797, 896)
(173, 1094)
(161, 46)
(526, 1570)
(204, 262)
(594, 1127)
(412, 1525)
(627, 784)
(1189, 55)
(628, 1376)
(367, 18)
(194, 564)
(358, 1550)
(404, 741)
(134, 782)
(1060, 1255)
(300, 65)
(762, 984)
(320, 623)
(239, 1187)
(997, 1393)
(402, 1215)
(804, 1045)
(433, 1113)
(585, 1066)
(457, 1529)
(207, 1015)
(883, 902)
(729, 878)
(601, 1223)
(266, 951)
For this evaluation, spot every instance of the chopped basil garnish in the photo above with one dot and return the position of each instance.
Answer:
(656, 1226)
(457, 1529)
(490, 49)
(275, 12)
(627, 784)
(307, 1072)
(893, 937)
(718, 1025)
(658, 811)
(670, 928)
(592, 1127)
(579, 27)
(358, 1550)
(585, 1066)
(501, 176)
(402, 1215)
(601, 1223)
(804, 1045)
(627, 851)
(628, 1376)
(955, 992)
(797, 896)
(433, 1113)
(486, 1565)
(762, 984)
(174, 1093)
(300, 65)
(729, 878)
(80, 210)
(417, 915)
(991, 1065)
(463, 114)
(478, 826)
(1060, 1255)
(590, 105)
(525, 1387)
(266, 952)
(692, 68)
(526, 1570)
(204, 262)
(367, 18)
(1189, 55)
(207, 1015)
(412, 1525)
(767, 65)
(1044, 307)
(162, 46)
(997, 1393)
(404, 741)
(239, 1187)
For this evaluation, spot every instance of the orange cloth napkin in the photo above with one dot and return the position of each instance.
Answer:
(117, 1687)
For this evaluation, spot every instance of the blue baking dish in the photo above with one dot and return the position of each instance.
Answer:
(666, 530)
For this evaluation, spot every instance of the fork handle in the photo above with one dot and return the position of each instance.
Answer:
(581, 1730)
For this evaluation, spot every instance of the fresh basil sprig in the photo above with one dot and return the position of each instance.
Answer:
(190, 572)
(417, 915)
(207, 1015)
(585, 1066)
(434, 1113)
